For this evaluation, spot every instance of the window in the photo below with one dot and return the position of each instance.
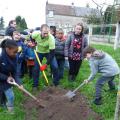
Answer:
(51, 14)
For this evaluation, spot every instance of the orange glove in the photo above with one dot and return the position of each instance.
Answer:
(43, 67)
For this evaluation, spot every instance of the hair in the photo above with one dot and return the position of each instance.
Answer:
(88, 49)
(60, 30)
(11, 22)
(44, 26)
(80, 24)
(16, 32)
(53, 28)
(8, 43)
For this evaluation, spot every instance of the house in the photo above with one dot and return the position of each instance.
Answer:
(66, 17)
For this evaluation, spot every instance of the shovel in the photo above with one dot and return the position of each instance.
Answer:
(40, 64)
(71, 94)
(28, 93)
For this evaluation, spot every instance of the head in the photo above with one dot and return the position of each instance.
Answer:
(16, 35)
(12, 23)
(79, 28)
(45, 30)
(53, 30)
(10, 47)
(59, 33)
(88, 52)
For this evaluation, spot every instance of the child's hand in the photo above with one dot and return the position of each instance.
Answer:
(21, 87)
(86, 81)
(10, 80)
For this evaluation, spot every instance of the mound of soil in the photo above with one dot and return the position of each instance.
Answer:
(59, 107)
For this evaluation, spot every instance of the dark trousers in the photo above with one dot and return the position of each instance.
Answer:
(61, 63)
(30, 71)
(2, 99)
(53, 65)
(74, 66)
(101, 81)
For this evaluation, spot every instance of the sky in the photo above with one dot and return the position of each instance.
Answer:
(34, 10)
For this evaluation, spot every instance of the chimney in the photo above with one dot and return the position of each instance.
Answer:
(72, 4)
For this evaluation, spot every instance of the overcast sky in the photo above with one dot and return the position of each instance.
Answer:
(34, 10)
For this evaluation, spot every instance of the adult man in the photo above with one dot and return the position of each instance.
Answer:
(45, 48)
(11, 28)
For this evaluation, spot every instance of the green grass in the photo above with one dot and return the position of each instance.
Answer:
(109, 99)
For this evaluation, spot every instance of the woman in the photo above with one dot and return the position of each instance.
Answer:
(74, 46)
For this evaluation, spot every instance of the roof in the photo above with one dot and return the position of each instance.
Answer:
(71, 10)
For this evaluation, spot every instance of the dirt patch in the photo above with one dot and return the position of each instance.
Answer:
(59, 107)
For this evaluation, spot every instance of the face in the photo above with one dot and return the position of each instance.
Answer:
(13, 24)
(52, 32)
(16, 36)
(88, 55)
(78, 29)
(45, 32)
(12, 52)
(60, 34)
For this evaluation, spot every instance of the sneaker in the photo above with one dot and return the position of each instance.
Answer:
(35, 89)
(71, 78)
(97, 101)
(10, 110)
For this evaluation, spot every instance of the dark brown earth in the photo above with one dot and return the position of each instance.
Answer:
(59, 107)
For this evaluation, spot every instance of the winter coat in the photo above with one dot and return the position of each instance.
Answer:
(7, 68)
(69, 47)
(59, 48)
(9, 31)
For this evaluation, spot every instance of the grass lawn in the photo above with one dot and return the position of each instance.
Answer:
(109, 98)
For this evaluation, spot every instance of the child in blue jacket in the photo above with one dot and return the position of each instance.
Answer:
(8, 62)
(21, 51)
(30, 56)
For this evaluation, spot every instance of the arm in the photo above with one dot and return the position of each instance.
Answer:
(85, 41)
(67, 44)
(3, 77)
(94, 70)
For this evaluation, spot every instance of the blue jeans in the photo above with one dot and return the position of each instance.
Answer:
(101, 81)
(10, 97)
(53, 65)
(61, 63)
(66, 64)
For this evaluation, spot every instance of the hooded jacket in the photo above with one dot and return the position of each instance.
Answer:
(101, 62)
(7, 68)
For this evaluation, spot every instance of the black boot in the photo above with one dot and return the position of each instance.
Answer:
(73, 77)
(70, 78)
(97, 101)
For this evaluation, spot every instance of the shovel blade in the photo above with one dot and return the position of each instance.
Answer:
(70, 94)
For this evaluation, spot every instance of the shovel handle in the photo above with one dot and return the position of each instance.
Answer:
(41, 65)
(79, 87)
(24, 90)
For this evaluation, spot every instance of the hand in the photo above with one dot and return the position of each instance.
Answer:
(43, 67)
(30, 58)
(66, 58)
(86, 81)
(21, 87)
(10, 80)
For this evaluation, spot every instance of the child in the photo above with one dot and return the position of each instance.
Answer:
(21, 52)
(8, 63)
(30, 57)
(59, 51)
(101, 62)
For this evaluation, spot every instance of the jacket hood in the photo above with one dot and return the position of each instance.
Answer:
(98, 54)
